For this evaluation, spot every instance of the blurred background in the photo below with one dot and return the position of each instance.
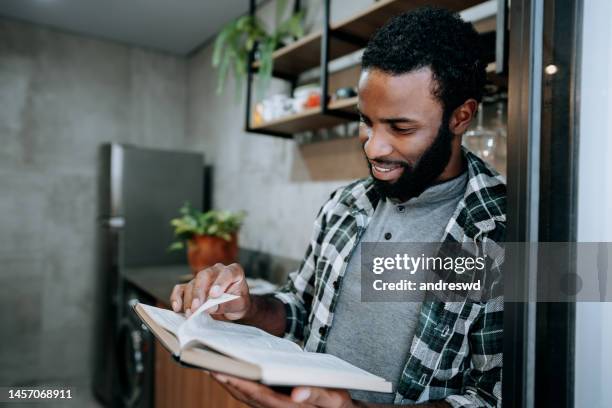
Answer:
(114, 114)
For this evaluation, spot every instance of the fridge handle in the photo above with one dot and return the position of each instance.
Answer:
(114, 222)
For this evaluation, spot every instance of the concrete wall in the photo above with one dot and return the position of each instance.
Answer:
(60, 97)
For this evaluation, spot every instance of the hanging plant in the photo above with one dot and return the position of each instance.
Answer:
(249, 34)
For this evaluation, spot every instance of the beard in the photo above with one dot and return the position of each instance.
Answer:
(415, 179)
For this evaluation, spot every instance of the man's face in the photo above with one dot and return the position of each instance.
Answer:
(402, 131)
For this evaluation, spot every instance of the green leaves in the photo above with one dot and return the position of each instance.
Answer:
(266, 49)
(248, 34)
(215, 223)
(232, 47)
(292, 27)
(281, 6)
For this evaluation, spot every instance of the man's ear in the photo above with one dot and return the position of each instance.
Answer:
(462, 117)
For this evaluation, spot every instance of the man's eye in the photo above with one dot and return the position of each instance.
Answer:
(403, 130)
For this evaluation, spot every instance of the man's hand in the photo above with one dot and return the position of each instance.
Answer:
(213, 282)
(260, 396)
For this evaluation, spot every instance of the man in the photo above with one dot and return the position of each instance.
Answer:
(422, 79)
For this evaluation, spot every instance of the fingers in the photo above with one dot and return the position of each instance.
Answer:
(204, 280)
(233, 310)
(321, 397)
(202, 284)
(228, 276)
(234, 392)
(188, 297)
(196, 291)
(233, 306)
(231, 280)
(210, 282)
(220, 279)
(176, 297)
(256, 394)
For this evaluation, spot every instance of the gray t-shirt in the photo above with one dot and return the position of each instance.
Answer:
(376, 336)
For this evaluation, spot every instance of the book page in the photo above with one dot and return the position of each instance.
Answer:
(171, 321)
(225, 297)
(226, 337)
(314, 369)
(167, 319)
(317, 362)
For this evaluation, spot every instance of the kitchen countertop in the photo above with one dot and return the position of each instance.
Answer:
(158, 281)
(261, 269)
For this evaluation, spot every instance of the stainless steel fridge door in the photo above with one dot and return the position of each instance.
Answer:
(148, 186)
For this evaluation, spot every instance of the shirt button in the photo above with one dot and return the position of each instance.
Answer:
(388, 236)
(401, 208)
(322, 330)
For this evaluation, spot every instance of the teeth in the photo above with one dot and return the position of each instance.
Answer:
(384, 169)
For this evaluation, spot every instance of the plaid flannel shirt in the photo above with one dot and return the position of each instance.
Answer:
(456, 352)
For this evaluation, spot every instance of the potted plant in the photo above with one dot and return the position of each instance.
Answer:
(210, 237)
(248, 33)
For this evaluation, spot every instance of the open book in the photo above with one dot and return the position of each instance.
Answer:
(248, 352)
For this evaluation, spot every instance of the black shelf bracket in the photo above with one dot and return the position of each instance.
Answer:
(325, 47)
(249, 91)
(325, 58)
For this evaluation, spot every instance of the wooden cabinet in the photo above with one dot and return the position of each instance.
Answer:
(177, 386)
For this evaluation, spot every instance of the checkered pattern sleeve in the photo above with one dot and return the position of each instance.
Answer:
(482, 380)
(298, 292)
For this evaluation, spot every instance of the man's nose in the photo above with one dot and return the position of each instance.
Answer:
(377, 144)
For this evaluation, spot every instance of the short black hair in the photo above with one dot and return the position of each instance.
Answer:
(435, 38)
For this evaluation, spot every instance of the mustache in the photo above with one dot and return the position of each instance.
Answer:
(383, 161)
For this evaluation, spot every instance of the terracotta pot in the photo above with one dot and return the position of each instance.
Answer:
(206, 250)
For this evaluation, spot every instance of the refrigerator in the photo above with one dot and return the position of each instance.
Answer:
(139, 191)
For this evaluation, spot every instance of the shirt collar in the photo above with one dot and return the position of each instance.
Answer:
(437, 192)
(483, 199)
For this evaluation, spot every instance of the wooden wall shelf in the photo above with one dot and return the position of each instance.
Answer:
(304, 54)
(311, 119)
(348, 105)
(349, 35)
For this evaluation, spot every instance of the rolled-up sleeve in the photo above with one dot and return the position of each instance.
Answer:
(483, 379)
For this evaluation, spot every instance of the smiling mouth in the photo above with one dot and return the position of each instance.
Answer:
(385, 168)
(386, 171)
